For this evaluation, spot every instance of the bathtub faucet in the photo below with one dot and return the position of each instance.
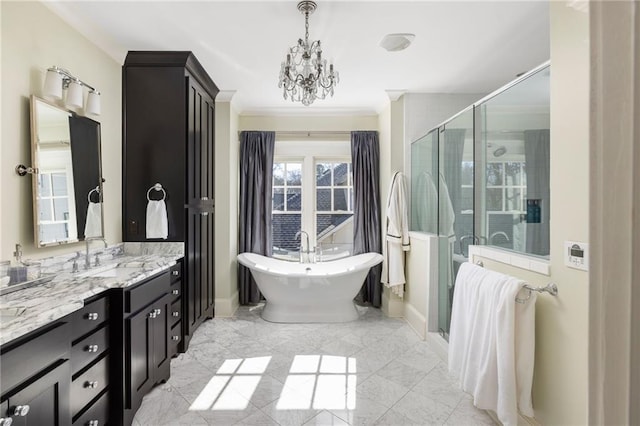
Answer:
(302, 252)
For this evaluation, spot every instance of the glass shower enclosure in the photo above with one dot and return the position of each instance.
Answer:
(482, 177)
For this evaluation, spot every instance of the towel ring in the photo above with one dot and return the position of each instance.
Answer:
(157, 187)
(97, 191)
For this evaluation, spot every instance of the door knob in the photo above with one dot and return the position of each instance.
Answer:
(21, 410)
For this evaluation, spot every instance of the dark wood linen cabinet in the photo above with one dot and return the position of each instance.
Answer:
(168, 138)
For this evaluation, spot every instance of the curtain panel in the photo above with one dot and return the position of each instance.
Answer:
(254, 222)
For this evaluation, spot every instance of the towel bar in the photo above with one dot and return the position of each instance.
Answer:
(97, 191)
(550, 288)
(157, 187)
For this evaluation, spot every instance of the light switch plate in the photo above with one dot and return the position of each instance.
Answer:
(576, 255)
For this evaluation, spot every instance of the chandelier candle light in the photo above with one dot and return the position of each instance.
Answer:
(304, 76)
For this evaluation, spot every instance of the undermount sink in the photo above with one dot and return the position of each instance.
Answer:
(8, 313)
(111, 271)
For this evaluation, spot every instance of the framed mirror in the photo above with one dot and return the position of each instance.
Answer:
(67, 187)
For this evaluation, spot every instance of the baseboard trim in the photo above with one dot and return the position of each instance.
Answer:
(438, 345)
(227, 307)
(416, 320)
(392, 305)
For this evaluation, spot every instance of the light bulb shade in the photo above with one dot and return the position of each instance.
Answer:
(74, 94)
(53, 85)
(93, 103)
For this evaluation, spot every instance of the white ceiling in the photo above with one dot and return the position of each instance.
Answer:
(460, 47)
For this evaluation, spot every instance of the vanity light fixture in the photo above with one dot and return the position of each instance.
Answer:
(58, 79)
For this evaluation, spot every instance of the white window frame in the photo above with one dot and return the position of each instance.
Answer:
(309, 153)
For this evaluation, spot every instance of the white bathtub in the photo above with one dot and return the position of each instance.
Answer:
(309, 292)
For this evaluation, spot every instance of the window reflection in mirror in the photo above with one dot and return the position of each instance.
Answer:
(515, 142)
(68, 185)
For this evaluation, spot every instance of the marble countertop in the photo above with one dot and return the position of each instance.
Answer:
(66, 293)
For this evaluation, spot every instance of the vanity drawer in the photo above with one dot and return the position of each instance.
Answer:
(97, 414)
(176, 272)
(89, 385)
(175, 337)
(145, 293)
(176, 290)
(91, 316)
(88, 349)
(176, 311)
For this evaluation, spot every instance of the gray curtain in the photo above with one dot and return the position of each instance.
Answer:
(256, 170)
(453, 148)
(536, 157)
(365, 159)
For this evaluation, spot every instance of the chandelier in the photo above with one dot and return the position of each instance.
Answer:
(304, 76)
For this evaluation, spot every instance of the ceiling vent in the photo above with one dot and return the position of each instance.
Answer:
(396, 42)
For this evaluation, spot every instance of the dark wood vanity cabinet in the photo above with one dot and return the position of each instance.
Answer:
(36, 377)
(168, 138)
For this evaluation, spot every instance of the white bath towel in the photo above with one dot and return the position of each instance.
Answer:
(396, 240)
(93, 222)
(491, 341)
(157, 223)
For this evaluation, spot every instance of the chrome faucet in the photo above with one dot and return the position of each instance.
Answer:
(87, 261)
(299, 235)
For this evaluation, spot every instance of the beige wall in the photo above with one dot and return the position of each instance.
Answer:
(561, 363)
(33, 39)
(226, 215)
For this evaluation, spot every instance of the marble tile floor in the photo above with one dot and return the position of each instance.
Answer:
(246, 371)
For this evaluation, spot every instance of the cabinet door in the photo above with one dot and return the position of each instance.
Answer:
(161, 328)
(200, 207)
(138, 356)
(47, 399)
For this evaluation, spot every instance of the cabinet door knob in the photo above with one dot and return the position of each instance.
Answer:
(92, 316)
(175, 338)
(204, 213)
(175, 273)
(91, 385)
(93, 423)
(157, 311)
(21, 410)
(92, 348)
(204, 198)
(176, 292)
(6, 421)
(176, 314)
(152, 314)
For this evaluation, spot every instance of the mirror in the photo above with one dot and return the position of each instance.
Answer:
(67, 188)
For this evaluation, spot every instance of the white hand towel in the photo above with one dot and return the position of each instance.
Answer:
(93, 223)
(491, 341)
(157, 223)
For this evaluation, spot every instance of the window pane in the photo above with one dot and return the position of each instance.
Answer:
(45, 209)
(323, 199)
(334, 227)
(61, 208)
(494, 199)
(278, 173)
(294, 174)
(323, 174)
(340, 199)
(514, 199)
(43, 183)
(467, 173)
(494, 174)
(59, 181)
(466, 201)
(294, 199)
(284, 228)
(278, 199)
(512, 174)
(340, 174)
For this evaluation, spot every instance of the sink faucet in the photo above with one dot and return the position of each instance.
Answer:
(87, 261)
(299, 235)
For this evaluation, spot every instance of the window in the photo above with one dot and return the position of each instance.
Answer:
(506, 186)
(312, 192)
(54, 206)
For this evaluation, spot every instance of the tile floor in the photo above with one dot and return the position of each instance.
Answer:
(246, 371)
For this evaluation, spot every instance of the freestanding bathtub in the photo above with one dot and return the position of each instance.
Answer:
(309, 292)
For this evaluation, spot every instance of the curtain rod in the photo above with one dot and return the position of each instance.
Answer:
(310, 133)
